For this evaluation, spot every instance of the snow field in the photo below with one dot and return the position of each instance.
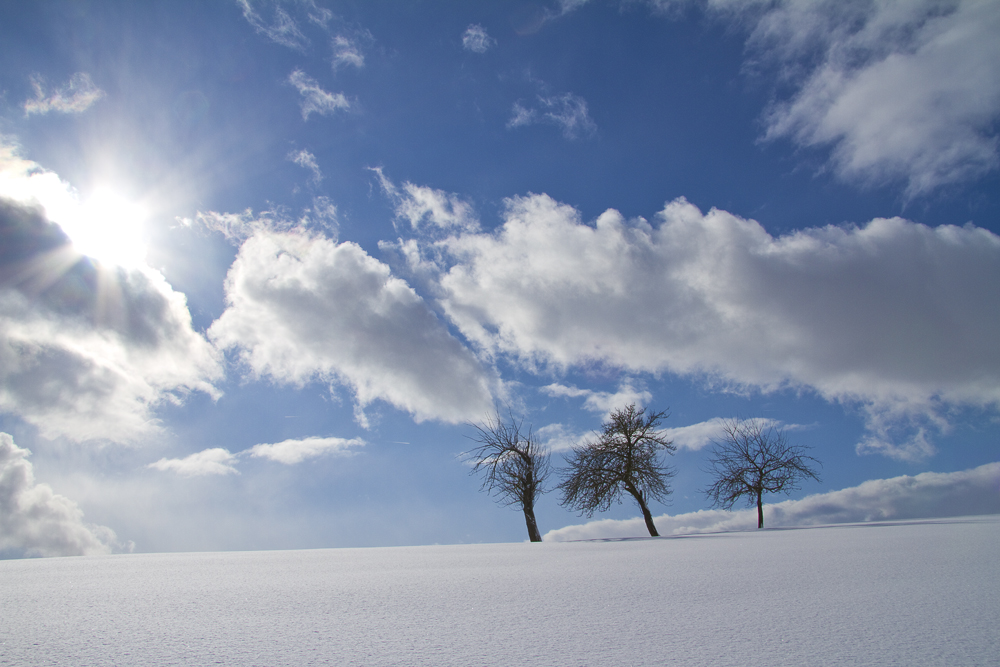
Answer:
(905, 593)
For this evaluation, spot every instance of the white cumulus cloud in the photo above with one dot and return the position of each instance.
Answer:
(302, 307)
(899, 90)
(906, 90)
(928, 495)
(215, 461)
(76, 96)
(894, 316)
(294, 451)
(34, 521)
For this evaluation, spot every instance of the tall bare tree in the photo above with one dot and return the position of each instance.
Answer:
(514, 466)
(753, 458)
(625, 458)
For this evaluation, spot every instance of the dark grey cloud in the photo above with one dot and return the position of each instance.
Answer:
(25, 233)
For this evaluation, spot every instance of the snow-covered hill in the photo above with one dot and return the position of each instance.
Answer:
(902, 593)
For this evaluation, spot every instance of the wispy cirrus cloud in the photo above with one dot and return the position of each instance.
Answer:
(567, 111)
(238, 227)
(281, 28)
(567, 6)
(307, 160)
(289, 18)
(928, 495)
(346, 52)
(419, 204)
(76, 96)
(476, 40)
(314, 98)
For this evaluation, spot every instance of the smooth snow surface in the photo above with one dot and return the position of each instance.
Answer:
(909, 593)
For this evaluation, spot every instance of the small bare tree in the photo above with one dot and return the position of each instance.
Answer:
(624, 458)
(753, 458)
(513, 464)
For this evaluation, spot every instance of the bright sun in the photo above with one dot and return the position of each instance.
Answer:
(108, 228)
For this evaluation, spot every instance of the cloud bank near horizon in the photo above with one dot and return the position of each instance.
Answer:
(34, 521)
(929, 495)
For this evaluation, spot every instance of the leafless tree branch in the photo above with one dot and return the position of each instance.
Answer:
(753, 458)
(625, 458)
(513, 465)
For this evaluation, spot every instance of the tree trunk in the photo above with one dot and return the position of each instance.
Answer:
(760, 511)
(529, 519)
(645, 512)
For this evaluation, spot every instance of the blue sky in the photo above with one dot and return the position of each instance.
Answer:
(313, 241)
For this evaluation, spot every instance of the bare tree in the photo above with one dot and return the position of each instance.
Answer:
(624, 458)
(753, 458)
(513, 464)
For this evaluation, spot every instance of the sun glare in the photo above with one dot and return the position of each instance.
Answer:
(108, 228)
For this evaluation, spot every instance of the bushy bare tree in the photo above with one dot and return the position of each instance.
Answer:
(753, 458)
(625, 458)
(514, 466)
